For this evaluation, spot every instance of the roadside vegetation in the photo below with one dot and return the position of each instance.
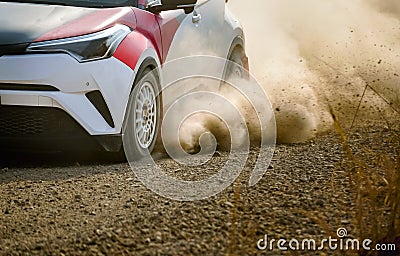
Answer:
(375, 179)
(366, 180)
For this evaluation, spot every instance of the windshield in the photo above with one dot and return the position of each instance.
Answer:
(82, 3)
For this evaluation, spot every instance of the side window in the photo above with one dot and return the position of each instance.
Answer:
(143, 3)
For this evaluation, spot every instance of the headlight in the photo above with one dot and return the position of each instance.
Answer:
(94, 46)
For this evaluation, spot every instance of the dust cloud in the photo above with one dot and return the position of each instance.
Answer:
(311, 55)
(216, 116)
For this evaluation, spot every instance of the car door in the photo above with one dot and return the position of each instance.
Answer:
(202, 32)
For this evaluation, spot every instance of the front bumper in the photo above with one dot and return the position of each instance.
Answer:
(43, 89)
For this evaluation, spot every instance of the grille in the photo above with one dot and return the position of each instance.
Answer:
(19, 121)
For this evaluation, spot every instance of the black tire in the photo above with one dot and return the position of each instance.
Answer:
(143, 116)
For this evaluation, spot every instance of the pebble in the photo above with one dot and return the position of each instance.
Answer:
(229, 204)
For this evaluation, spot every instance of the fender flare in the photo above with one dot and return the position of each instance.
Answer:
(134, 49)
(238, 42)
(138, 53)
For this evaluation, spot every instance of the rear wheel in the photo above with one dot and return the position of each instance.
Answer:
(236, 65)
(142, 119)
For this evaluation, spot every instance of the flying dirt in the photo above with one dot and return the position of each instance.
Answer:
(312, 55)
(313, 59)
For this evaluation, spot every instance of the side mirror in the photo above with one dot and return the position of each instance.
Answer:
(166, 5)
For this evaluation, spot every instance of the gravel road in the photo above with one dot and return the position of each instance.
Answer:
(69, 205)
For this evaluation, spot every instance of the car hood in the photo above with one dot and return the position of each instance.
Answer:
(23, 23)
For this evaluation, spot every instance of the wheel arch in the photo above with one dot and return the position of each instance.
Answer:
(238, 45)
(147, 63)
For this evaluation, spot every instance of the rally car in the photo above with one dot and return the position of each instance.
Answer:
(71, 71)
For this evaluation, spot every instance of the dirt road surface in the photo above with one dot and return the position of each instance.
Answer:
(69, 205)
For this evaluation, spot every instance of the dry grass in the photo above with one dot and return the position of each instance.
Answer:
(374, 178)
(374, 208)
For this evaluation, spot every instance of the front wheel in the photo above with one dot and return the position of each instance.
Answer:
(142, 120)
